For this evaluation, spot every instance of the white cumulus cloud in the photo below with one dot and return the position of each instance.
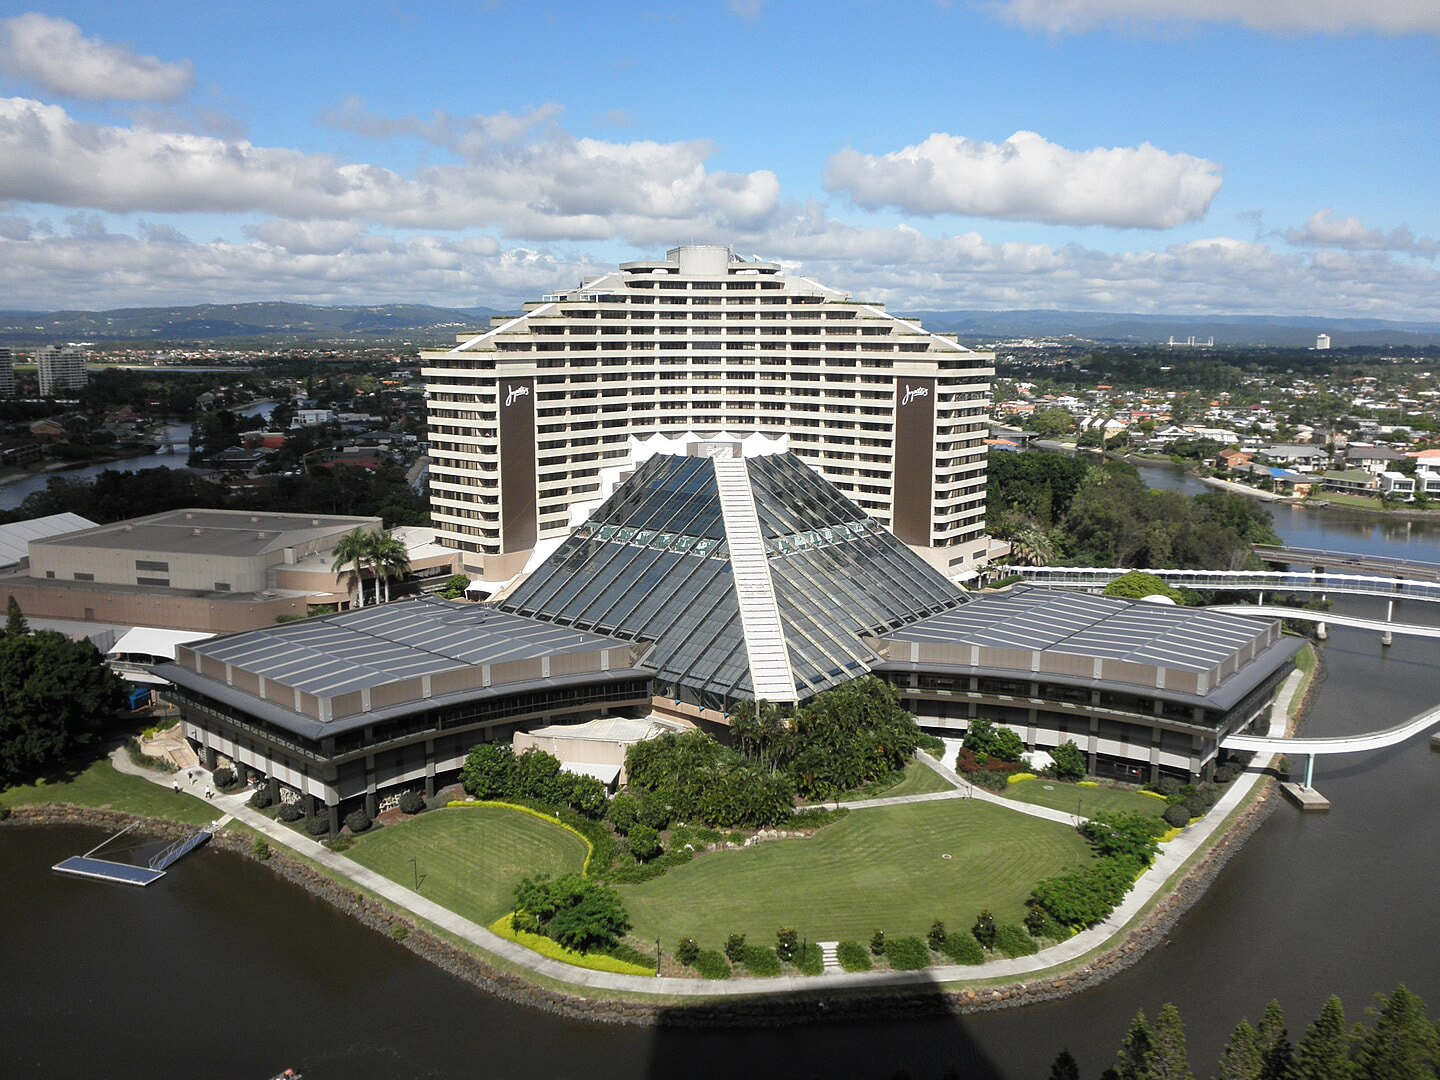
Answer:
(553, 188)
(1325, 231)
(1268, 16)
(1027, 178)
(55, 55)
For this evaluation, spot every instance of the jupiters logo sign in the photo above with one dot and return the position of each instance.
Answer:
(913, 392)
(515, 393)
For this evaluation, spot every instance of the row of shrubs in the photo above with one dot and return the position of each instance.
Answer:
(983, 939)
(1185, 802)
(760, 960)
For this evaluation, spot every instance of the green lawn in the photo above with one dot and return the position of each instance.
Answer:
(98, 785)
(1085, 801)
(876, 869)
(470, 860)
(916, 779)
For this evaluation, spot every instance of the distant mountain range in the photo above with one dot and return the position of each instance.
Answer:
(1278, 330)
(419, 324)
(234, 323)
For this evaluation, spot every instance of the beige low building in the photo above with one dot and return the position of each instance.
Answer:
(595, 748)
(210, 571)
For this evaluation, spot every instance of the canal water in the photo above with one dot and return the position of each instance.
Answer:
(178, 434)
(220, 970)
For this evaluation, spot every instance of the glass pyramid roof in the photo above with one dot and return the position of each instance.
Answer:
(654, 563)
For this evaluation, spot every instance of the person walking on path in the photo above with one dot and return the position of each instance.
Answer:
(176, 785)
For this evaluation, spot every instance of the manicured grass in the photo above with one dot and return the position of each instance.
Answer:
(1085, 801)
(1306, 660)
(470, 860)
(916, 779)
(1359, 502)
(98, 785)
(879, 868)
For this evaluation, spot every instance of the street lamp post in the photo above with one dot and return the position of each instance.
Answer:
(416, 870)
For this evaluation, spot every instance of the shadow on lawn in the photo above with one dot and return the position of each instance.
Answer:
(914, 1033)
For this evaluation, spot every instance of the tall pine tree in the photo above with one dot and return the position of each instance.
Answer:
(1324, 1052)
(1403, 1044)
(1136, 1058)
(1275, 1044)
(1244, 1055)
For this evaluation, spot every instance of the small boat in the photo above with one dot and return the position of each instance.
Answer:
(288, 1074)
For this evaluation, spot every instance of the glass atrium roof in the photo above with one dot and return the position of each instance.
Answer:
(655, 563)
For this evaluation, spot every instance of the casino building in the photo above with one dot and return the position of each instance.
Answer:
(707, 579)
(534, 422)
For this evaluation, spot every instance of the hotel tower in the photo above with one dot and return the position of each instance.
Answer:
(536, 420)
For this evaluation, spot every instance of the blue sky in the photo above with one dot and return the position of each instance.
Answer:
(1166, 156)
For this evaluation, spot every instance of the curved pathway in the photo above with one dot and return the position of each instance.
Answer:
(1165, 870)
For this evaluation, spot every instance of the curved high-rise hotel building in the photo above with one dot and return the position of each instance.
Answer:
(536, 420)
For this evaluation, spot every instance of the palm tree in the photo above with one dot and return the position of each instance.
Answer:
(391, 560)
(1031, 546)
(354, 549)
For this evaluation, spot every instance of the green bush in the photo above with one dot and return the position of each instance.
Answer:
(687, 952)
(760, 961)
(654, 811)
(624, 812)
(816, 817)
(907, 954)
(488, 772)
(259, 799)
(412, 802)
(809, 960)
(290, 812)
(696, 837)
(1176, 815)
(1168, 786)
(984, 929)
(261, 849)
(340, 843)
(319, 825)
(1039, 923)
(1067, 762)
(877, 943)
(963, 949)
(645, 843)
(710, 964)
(357, 821)
(787, 942)
(735, 948)
(399, 932)
(225, 779)
(630, 955)
(853, 956)
(576, 911)
(1012, 941)
(1228, 772)
(936, 938)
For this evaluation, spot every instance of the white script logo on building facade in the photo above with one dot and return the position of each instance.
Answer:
(913, 392)
(515, 394)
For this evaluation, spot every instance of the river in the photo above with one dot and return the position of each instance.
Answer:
(221, 970)
(177, 432)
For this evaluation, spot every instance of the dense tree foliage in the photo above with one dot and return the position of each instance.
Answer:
(1137, 585)
(51, 689)
(699, 780)
(1056, 508)
(578, 913)
(494, 771)
(113, 495)
(1067, 762)
(1125, 844)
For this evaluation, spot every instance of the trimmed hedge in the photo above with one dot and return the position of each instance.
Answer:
(711, 964)
(412, 802)
(761, 961)
(318, 826)
(907, 954)
(853, 956)
(809, 960)
(963, 949)
(1012, 941)
(290, 812)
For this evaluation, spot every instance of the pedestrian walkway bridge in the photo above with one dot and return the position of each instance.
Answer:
(1320, 558)
(1261, 581)
(1326, 618)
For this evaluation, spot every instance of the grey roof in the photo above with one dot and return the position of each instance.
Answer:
(235, 533)
(655, 563)
(370, 647)
(1080, 624)
(15, 538)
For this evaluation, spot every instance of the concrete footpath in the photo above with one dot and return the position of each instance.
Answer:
(1161, 874)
